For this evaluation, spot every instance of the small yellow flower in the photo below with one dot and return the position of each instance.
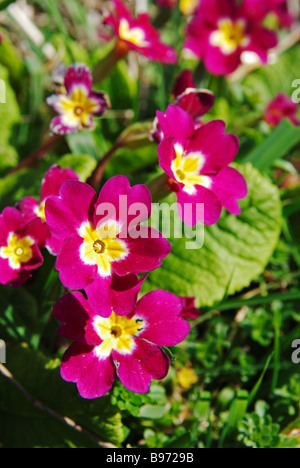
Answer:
(187, 377)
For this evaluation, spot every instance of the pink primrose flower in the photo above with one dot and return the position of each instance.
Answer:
(221, 30)
(104, 246)
(197, 164)
(138, 34)
(79, 104)
(281, 107)
(19, 247)
(127, 346)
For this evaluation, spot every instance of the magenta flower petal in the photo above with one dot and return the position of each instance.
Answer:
(94, 376)
(147, 362)
(175, 122)
(196, 102)
(132, 205)
(116, 294)
(219, 64)
(189, 309)
(261, 42)
(67, 212)
(183, 82)
(166, 155)
(75, 314)
(201, 207)
(28, 206)
(99, 294)
(78, 75)
(53, 180)
(7, 274)
(12, 218)
(230, 186)
(162, 313)
(145, 252)
(218, 149)
(73, 273)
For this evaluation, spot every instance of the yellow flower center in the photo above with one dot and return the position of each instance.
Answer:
(40, 211)
(187, 7)
(17, 251)
(117, 333)
(101, 246)
(187, 167)
(78, 107)
(230, 36)
(134, 35)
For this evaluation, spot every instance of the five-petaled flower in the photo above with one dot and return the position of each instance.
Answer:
(79, 104)
(221, 30)
(103, 245)
(50, 186)
(281, 107)
(127, 347)
(197, 164)
(138, 34)
(19, 247)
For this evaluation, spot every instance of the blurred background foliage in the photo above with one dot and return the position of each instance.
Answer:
(241, 388)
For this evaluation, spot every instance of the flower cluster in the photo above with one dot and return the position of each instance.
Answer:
(103, 249)
(103, 246)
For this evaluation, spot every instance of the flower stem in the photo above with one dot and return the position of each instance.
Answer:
(38, 154)
(95, 179)
(159, 187)
(108, 63)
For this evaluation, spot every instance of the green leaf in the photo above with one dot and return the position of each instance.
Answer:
(9, 117)
(82, 164)
(236, 413)
(276, 146)
(235, 251)
(33, 422)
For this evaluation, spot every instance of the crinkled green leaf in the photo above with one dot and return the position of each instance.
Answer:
(236, 250)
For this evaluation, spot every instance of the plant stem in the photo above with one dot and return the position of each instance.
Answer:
(108, 63)
(38, 154)
(95, 179)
